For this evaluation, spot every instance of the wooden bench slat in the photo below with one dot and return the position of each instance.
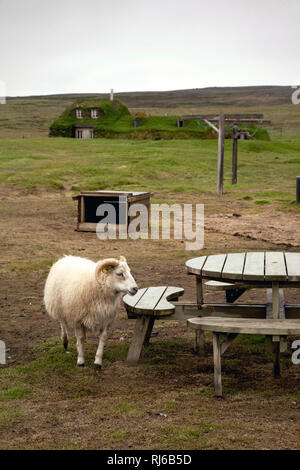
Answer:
(254, 268)
(213, 265)
(293, 266)
(233, 267)
(195, 265)
(164, 307)
(150, 299)
(219, 285)
(246, 325)
(275, 269)
(132, 300)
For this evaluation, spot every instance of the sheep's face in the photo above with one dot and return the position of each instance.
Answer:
(115, 273)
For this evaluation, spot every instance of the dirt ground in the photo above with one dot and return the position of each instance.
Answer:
(173, 397)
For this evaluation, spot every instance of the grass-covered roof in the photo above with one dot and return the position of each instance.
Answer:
(115, 120)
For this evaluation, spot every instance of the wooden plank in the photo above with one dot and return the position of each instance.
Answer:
(275, 300)
(221, 139)
(82, 210)
(195, 265)
(227, 342)
(211, 125)
(149, 331)
(87, 227)
(275, 269)
(149, 300)
(130, 301)
(199, 290)
(164, 307)
(254, 268)
(219, 285)
(135, 348)
(213, 265)
(233, 267)
(227, 116)
(269, 304)
(293, 266)
(217, 365)
(246, 325)
(199, 343)
(233, 310)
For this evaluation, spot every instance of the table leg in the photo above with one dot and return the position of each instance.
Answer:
(275, 312)
(276, 363)
(275, 299)
(199, 344)
(135, 348)
(217, 364)
(149, 331)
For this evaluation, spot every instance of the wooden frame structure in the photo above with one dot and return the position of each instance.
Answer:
(87, 220)
(212, 120)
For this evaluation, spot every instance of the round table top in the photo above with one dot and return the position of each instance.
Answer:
(261, 266)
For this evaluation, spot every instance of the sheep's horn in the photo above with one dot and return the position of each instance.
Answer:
(105, 264)
(122, 258)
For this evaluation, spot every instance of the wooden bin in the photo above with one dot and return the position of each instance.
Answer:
(88, 201)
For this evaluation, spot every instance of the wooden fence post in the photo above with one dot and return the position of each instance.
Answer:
(221, 154)
(234, 154)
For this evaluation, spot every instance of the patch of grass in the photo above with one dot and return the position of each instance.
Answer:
(162, 352)
(28, 266)
(261, 201)
(9, 417)
(206, 392)
(15, 393)
(191, 437)
(52, 370)
(119, 434)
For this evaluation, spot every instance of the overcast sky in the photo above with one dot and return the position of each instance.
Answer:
(66, 46)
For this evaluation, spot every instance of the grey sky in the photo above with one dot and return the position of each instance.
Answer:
(64, 46)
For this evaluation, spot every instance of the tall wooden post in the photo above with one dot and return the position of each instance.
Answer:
(234, 154)
(221, 154)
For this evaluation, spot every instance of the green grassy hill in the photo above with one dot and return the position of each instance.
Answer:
(33, 115)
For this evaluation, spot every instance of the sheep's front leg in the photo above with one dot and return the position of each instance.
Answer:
(64, 335)
(99, 353)
(80, 337)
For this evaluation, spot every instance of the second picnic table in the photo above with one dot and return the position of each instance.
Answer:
(235, 273)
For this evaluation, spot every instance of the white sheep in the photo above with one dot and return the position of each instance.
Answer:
(84, 295)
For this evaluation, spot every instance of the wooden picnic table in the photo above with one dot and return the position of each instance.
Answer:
(235, 273)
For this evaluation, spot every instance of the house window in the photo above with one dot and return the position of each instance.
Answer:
(79, 134)
(94, 113)
(91, 133)
(79, 113)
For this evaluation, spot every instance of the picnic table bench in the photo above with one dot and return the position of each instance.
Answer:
(234, 274)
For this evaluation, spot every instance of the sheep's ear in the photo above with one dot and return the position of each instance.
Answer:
(103, 267)
(122, 258)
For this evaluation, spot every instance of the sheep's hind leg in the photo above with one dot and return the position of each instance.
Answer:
(99, 353)
(80, 336)
(64, 335)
